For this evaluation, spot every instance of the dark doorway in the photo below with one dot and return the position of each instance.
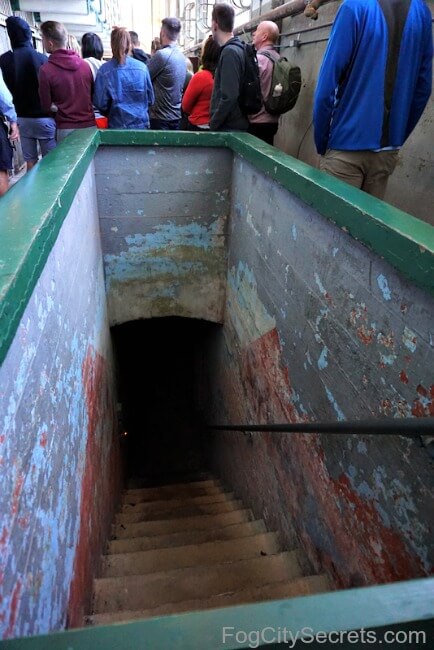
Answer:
(159, 363)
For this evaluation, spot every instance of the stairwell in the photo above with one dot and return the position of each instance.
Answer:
(192, 546)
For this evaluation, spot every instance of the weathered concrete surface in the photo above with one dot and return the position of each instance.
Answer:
(411, 186)
(318, 328)
(163, 216)
(58, 445)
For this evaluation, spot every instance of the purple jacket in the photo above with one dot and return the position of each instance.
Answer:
(67, 82)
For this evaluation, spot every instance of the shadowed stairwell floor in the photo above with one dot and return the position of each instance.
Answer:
(191, 546)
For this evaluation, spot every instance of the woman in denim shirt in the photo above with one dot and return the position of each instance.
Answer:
(123, 87)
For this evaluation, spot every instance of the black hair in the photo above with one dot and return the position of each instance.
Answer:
(172, 27)
(210, 55)
(224, 16)
(134, 38)
(91, 45)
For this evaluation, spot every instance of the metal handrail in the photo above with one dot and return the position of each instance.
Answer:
(411, 427)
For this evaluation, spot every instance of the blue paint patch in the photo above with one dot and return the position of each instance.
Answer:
(409, 339)
(333, 402)
(319, 283)
(388, 359)
(384, 287)
(294, 232)
(361, 447)
(322, 361)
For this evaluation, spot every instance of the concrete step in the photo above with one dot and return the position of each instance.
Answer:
(169, 511)
(154, 589)
(129, 564)
(165, 526)
(172, 540)
(196, 488)
(279, 590)
(150, 506)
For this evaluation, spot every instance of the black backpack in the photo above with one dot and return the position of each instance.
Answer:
(285, 86)
(250, 97)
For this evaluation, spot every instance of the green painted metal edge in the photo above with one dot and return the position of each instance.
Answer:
(404, 241)
(164, 138)
(32, 213)
(352, 609)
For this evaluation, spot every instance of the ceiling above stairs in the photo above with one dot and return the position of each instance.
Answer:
(78, 16)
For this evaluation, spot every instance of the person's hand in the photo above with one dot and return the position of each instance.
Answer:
(14, 132)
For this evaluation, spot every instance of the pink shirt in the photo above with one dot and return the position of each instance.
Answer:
(265, 74)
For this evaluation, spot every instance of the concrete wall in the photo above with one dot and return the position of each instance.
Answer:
(411, 187)
(318, 328)
(58, 440)
(163, 216)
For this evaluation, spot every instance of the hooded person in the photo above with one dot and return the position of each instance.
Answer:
(65, 82)
(20, 68)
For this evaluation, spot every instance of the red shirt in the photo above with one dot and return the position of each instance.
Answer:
(197, 98)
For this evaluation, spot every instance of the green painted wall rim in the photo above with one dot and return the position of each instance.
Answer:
(350, 609)
(27, 236)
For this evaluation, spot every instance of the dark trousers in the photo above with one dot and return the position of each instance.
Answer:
(265, 131)
(164, 125)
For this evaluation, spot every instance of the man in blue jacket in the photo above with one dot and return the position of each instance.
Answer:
(374, 83)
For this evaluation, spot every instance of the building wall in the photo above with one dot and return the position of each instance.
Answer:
(318, 328)
(163, 215)
(59, 452)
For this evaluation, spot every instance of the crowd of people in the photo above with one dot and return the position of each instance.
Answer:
(373, 86)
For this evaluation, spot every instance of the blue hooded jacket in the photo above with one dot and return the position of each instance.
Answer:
(350, 95)
(21, 67)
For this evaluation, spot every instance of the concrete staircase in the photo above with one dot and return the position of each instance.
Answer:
(192, 546)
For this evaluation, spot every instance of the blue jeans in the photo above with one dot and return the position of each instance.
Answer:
(34, 130)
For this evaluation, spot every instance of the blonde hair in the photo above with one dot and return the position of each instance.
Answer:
(72, 44)
(120, 44)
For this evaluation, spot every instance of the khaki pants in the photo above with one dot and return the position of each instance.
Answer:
(367, 170)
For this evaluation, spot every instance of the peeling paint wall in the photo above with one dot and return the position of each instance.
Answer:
(58, 445)
(163, 214)
(318, 328)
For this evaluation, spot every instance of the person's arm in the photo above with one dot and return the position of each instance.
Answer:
(157, 63)
(7, 107)
(44, 91)
(101, 94)
(149, 89)
(192, 93)
(422, 92)
(230, 82)
(337, 59)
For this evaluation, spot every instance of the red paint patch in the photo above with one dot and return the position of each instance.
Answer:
(16, 494)
(2, 439)
(387, 340)
(43, 440)
(365, 334)
(423, 406)
(391, 560)
(403, 377)
(23, 522)
(13, 610)
(100, 484)
(422, 390)
(4, 537)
